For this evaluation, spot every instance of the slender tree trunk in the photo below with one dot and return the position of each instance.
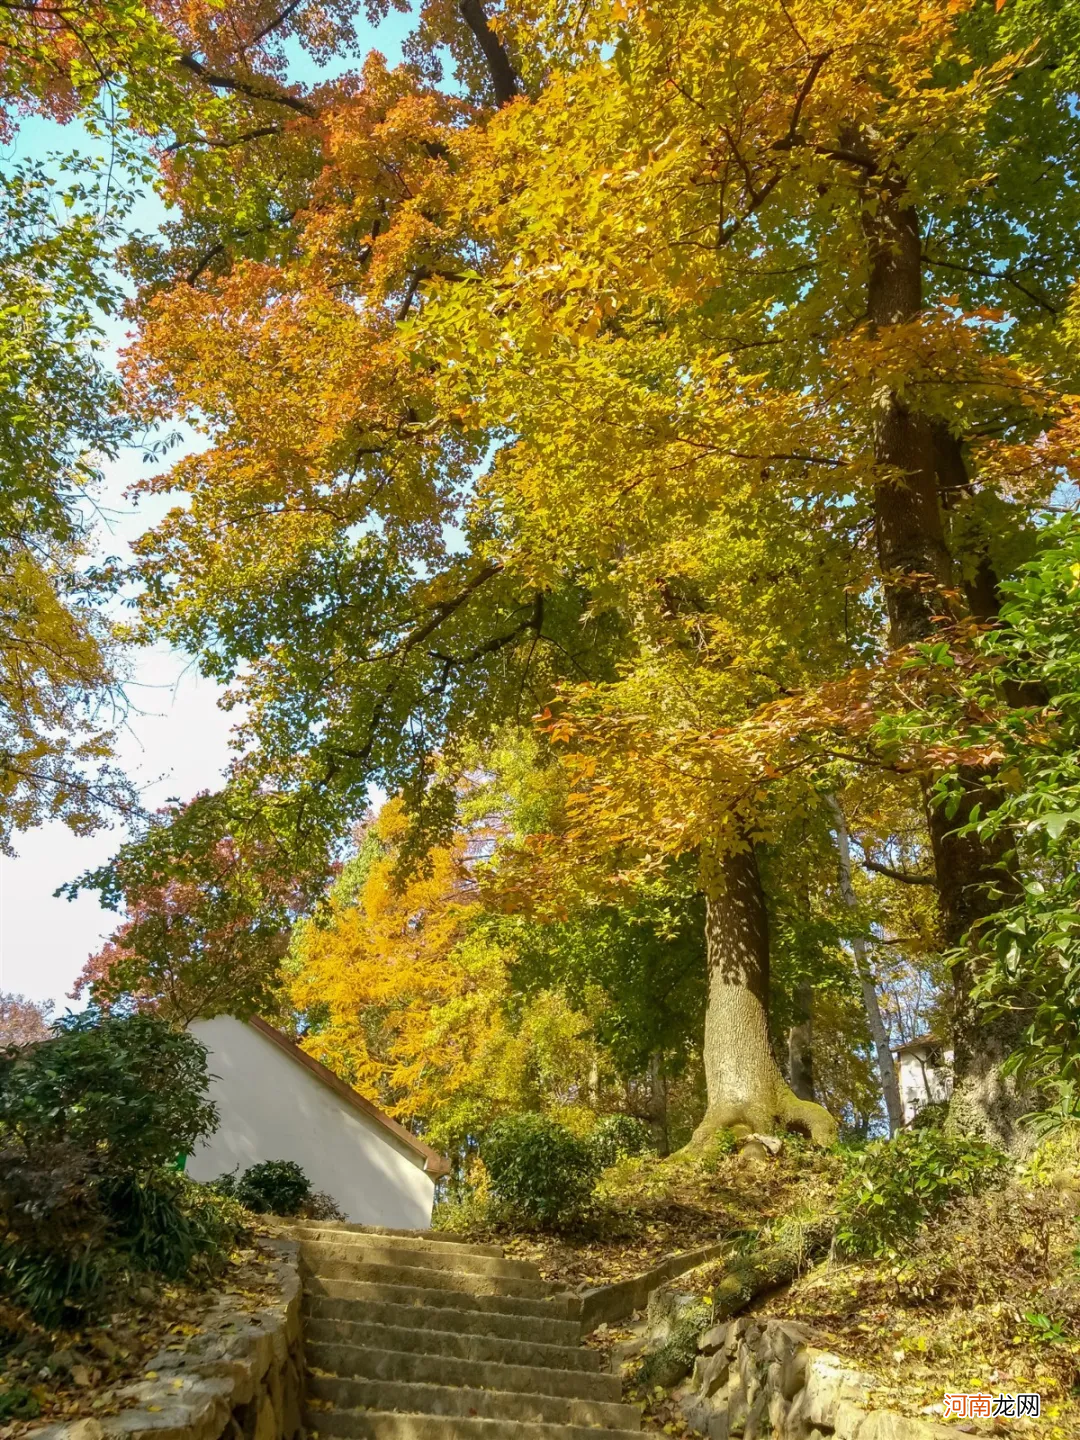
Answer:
(801, 1043)
(743, 1081)
(658, 1103)
(890, 1086)
(918, 464)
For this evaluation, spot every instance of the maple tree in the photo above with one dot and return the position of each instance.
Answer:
(210, 890)
(23, 1021)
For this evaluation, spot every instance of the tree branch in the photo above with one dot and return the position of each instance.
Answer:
(901, 875)
(503, 79)
(244, 87)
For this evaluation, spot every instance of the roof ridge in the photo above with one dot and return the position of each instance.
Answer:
(435, 1165)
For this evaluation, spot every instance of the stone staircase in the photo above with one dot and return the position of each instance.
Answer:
(411, 1335)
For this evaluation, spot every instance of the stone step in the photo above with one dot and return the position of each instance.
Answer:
(408, 1286)
(416, 1367)
(451, 1339)
(425, 1240)
(368, 1250)
(461, 1401)
(477, 1319)
(334, 1266)
(381, 1425)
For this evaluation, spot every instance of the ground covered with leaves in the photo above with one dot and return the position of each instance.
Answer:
(983, 1297)
(49, 1375)
(646, 1209)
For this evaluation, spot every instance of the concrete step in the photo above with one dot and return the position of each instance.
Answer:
(345, 1267)
(380, 1425)
(474, 1318)
(461, 1401)
(441, 1240)
(417, 1367)
(369, 1250)
(411, 1286)
(452, 1339)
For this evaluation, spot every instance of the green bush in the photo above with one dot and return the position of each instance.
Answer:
(89, 1123)
(273, 1187)
(277, 1187)
(540, 1171)
(172, 1226)
(893, 1186)
(618, 1137)
(131, 1091)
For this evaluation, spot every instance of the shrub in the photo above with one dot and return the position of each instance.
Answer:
(131, 1091)
(320, 1206)
(894, 1185)
(539, 1170)
(619, 1137)
(88, 1123)
(172, 1226)
(272, 1187)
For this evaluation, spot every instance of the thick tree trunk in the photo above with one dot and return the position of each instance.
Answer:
(920, 464)
(743, 1081)
(908, 524)
(800, 1043)
(890, 1086)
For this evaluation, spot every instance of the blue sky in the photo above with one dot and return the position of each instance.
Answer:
(175, 740)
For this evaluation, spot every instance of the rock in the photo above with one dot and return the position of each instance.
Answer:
(778, 1412)
(65, 1360)
(738, 1409)
(710, 1373)
(625, 1350)
(772, 1144)
(756, 1416)
(713, 1339)
(829, 1382)
(753, 1153)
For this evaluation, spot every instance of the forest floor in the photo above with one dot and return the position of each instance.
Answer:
(986, 1297)
(51, 1375)
(648, 1209)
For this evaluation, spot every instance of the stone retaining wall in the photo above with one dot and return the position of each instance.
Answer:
(756, 1378)
(240, 1378)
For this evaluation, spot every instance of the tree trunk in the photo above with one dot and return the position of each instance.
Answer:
(890, 1086)
(801, 1043)
(743, 1081)
(915, 564)
(658, 1103)
(908, 524)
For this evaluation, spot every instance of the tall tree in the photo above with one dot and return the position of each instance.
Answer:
(823, 215)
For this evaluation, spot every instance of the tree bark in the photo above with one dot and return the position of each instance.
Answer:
(658, 1103)
(743, 1081)
(801, 1043)
(908, 523)
(921, 461)
(504, 81)
(890, 1086)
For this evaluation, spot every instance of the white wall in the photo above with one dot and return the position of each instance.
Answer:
(922, 1082)
(274, 1109)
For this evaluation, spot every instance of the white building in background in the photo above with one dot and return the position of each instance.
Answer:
(925, 1074)
(278, 1103)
